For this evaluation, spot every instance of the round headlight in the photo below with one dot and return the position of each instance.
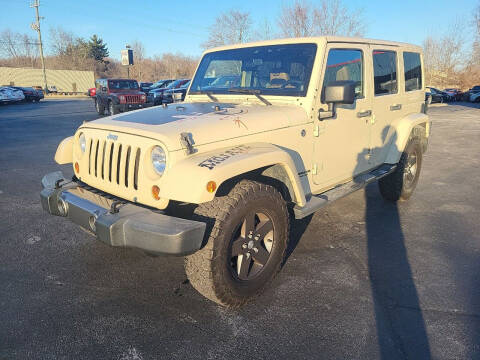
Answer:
(82, 142)
(159, 160)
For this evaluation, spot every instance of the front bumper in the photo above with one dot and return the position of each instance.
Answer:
(128, 107)
(131, 226)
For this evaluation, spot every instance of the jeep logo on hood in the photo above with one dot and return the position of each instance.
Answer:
(112, 137)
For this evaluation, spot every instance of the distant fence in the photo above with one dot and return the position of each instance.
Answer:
(69, 81)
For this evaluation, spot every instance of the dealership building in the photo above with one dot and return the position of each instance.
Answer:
(65, 81)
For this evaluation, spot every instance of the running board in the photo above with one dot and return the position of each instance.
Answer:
(318, 201)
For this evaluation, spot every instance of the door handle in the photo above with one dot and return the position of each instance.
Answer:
(395, 107)
(364, 113)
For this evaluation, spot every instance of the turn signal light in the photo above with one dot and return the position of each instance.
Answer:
(156, 192)
(77, 168)
(211, 186)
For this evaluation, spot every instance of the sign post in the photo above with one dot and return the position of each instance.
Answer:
(127, 59)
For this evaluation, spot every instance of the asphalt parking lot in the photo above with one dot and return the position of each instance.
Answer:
(366, 280)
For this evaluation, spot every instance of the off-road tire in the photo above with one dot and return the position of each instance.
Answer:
(393, 187)
(111, 108)
(210, 269)
(99, 107)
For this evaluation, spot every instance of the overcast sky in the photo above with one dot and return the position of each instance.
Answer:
(182, 26)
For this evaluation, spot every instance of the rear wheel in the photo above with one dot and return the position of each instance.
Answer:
(400, 184)
(247, 238)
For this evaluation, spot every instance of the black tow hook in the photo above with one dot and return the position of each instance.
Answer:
(58, 182)
(114, 208)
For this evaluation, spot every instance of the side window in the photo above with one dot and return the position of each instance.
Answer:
(413, 71)
(385, 72)
(345, 64)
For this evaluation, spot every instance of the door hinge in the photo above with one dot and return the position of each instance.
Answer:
(316, 131)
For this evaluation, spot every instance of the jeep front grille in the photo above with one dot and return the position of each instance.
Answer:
(114, 162)
(133, 99)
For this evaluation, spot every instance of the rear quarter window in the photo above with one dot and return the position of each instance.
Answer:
(413, 71)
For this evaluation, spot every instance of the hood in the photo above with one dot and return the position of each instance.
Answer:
(202, 121)
(158, 90)
(126, 92)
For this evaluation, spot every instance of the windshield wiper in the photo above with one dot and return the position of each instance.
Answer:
(250, 92)
(209, 94)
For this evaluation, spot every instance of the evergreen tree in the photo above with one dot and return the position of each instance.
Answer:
(97, 49)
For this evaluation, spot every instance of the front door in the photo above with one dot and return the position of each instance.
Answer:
(341, 144)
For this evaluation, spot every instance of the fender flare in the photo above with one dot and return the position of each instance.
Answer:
(400, 132)
(64, 153)
(187, 179)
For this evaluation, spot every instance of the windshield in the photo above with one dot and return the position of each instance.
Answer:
(174, 84)
(122, 84)
(271, 70)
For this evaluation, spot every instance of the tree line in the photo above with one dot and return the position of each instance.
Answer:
(450, 59)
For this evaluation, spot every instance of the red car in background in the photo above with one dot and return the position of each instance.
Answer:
(92, 92)
(455, 94)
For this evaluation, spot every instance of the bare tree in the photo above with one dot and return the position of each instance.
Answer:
(264, 31)
(475, 57)
(18, 49)
(69, 52)
(476, 19)
(444, 57)
(229, 28)
(327, 17)
(296, 20)
(333, 18)
(138, 69)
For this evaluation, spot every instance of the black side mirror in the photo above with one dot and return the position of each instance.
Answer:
(337, 92)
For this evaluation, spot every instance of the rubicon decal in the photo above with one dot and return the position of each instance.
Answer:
(213, 161)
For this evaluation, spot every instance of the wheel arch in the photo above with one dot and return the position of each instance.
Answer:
(259, 161)
(64, 153)
(414, 125)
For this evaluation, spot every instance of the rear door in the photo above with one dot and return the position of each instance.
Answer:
(388, 99)
(341, 143)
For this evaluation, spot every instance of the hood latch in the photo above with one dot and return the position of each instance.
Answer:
(187, 142)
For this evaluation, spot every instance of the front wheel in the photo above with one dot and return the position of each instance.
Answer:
(400, 184)
(247, 235)
(99, 107)
(111, 108)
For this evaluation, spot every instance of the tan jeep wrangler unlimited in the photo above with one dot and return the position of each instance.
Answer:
(266, 129)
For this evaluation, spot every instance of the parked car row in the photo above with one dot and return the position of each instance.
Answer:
(163, 92)
(112, 96)
(434, 95)
(473, 95)
(14, 94)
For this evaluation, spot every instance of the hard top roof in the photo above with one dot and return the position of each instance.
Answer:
(319, 39)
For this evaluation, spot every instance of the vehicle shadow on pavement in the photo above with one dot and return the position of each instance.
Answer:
(398, 316)
(297, 228)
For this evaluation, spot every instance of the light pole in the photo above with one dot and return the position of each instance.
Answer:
(36, 27)
(128, 66)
